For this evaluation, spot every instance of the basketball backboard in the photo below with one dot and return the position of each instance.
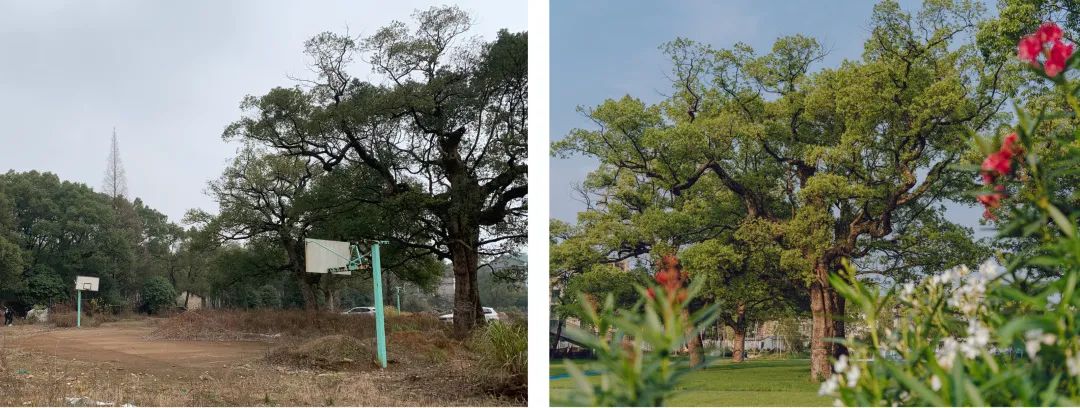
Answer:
(86, 283)
(322, 256)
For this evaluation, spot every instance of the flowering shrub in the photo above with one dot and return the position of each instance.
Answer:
(998, 335)
(635, 365)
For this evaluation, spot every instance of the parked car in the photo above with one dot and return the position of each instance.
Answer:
(489, 315)
(360, 310)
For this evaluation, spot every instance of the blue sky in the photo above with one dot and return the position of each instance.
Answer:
(606, 49)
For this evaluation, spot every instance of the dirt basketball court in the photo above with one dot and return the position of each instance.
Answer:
(119, 363)
(124, 345)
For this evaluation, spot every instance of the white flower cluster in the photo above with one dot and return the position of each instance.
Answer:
(843, 374)
(964, 292)
(978, 337)
(969, 289)
(1034, 340)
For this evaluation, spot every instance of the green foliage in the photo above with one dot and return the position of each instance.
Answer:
(53, 230)
(158, 294)
(991, 337)
(843, 161)
(634, 348)
(432, 150)
(504, 349)
(45, 287)
(602, 281)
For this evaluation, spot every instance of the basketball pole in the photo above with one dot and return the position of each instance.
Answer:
(78, 314)
(376, 276)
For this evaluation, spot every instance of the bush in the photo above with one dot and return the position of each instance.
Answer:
(503, 350)
(635, 347)
(44, 287)
(158, 295)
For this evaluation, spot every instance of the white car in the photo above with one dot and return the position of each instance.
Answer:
(489, 315)
(360, 310)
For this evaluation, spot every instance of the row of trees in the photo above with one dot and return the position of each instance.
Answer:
(53, 230)
(761, 172)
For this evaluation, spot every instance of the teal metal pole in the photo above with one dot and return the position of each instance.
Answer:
(78, 314)
(397, 291)
(376, 276)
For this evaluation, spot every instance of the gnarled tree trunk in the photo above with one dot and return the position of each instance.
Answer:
(465, 259)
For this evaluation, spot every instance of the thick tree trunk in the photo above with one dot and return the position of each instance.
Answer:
(738, 343)
(820, 349)
(827, 309)
(693, 343)
(308, 283)
(464, 256)
(837, 309)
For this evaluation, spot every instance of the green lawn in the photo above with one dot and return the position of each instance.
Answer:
(751, 383)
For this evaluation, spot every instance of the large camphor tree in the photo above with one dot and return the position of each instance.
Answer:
(863, 150)
(444, 129)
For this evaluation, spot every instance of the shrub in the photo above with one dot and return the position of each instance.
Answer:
(503, 349)
(158, 294)
(45, 287)
(635, 346)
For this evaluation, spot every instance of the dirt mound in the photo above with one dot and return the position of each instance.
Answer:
(334, 352)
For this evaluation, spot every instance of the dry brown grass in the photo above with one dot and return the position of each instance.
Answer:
(47, 381)
(313, 359)
(232, 325)
(67, 319)
(334, 352)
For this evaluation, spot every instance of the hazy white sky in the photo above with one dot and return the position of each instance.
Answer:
(169, 76)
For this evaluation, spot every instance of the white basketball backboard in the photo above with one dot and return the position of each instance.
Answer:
(86, 283)
(322, 256)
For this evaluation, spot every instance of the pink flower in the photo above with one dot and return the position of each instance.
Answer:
(1048, 32)
(999, 162)
(1028, 49)
(1055, 62)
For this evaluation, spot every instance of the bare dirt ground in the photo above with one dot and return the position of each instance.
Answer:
(117, 363)
(124, 346)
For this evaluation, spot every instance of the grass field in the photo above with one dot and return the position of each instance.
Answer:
(751, 383)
